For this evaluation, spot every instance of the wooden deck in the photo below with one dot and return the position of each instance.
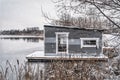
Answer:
(38, 56)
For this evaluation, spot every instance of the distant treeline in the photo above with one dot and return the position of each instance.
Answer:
(28, 31)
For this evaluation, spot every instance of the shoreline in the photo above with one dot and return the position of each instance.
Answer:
(20, 36)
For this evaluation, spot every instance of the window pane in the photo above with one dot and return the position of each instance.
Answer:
(89, 42)
(62, 41)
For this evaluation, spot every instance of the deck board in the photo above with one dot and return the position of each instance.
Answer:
(39, 56)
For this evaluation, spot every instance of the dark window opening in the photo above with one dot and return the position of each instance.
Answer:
(89, 42)
(62, 43)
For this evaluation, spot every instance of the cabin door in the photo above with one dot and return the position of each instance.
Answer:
(61, 42)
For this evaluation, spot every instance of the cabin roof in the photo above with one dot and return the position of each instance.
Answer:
(72, 27)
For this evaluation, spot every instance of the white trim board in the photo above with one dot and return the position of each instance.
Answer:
(67, 33)
(97, 42)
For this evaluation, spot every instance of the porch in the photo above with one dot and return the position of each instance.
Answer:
(39, 56)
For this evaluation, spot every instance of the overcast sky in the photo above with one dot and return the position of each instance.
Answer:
(19, 14)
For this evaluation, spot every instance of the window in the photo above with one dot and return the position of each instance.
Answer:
(61, 42)
(89, 42)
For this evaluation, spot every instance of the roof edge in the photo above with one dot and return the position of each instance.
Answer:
(72, 27)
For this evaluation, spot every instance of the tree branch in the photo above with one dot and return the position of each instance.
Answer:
(104, 14)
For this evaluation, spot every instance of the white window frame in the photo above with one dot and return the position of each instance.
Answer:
(57, 33)
(97, 42)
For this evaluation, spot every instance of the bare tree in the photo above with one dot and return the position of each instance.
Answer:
(110, 9)
(81, 13)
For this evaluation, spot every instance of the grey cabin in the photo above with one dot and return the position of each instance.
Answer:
(72, 41)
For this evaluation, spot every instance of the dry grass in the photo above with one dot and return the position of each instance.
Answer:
(24, 71)
(82, 70)
(57, 70)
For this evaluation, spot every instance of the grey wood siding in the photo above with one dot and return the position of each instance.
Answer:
(74, 43)
(70, 42)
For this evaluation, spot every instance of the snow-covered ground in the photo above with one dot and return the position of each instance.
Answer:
(40, 54)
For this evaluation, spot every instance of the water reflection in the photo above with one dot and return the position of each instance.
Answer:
(32, 39)
(35, 39)
(14, 49)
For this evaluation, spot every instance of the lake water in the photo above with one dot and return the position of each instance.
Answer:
(14, 49)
